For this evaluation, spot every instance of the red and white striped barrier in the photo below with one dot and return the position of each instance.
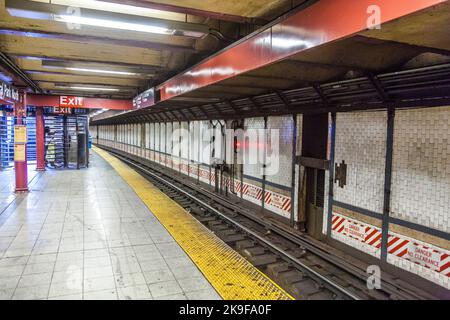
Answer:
(445, 264)
(273, 201)
(368, 238)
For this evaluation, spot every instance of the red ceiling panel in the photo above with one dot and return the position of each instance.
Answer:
(323, 22)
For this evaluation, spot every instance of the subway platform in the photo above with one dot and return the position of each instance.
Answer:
(85, 234)
(107, 233)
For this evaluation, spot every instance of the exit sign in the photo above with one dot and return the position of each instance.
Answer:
(70, 102)
(62, 110)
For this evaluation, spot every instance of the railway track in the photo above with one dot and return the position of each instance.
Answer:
(302, 268)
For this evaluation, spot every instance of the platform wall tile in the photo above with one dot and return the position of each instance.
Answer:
(184, 140)
(279, 171)
(255, 168)
(157, 136)
(175, 139)
(151, 136)
(361, 143)
(421, 167)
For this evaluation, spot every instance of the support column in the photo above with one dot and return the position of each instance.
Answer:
(294, 164)
(263, 202)
(20, 158)
(331, 177)
(387, 183)
(40, 139)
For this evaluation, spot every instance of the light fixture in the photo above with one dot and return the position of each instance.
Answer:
(104, 19)
(98, 67)
(102, 71)
(93, 89)
(88, 88)
(96, 113)
(74, 19)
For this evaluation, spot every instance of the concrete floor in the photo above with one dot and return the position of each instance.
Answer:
(86, 235)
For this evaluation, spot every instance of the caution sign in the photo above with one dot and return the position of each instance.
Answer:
(20, 134)
(356, 231)
(19, 153)
(424, 256)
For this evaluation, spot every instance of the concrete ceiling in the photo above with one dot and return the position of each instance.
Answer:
(266, 9)
(30, 43)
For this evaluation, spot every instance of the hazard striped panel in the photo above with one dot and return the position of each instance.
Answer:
(272, 200)
(362, 236)
(231, 275)
(367, 238)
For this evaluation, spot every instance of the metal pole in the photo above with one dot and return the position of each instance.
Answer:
(40, 139)
(387, 182)
(294, 156)
(263, 203)
(331, 178)
(20, 164)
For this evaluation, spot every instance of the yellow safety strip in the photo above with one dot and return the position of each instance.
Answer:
(233, 277)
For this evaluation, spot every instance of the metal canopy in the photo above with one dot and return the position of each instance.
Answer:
(426, 86)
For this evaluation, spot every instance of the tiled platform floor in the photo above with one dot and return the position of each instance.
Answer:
(86, 235)
(7, 184)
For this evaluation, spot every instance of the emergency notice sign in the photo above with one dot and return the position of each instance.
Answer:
(20, 134)
(424, 256)
(19, 153)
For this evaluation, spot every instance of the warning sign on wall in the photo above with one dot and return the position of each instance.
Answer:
(424, 256)
(20, 134)
(19, 153)
(356, 231)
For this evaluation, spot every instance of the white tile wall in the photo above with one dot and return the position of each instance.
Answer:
(253, 170)
(205, 135)
(195, 140)
(163, 137)
(151, 136)
(283, 175)
(175, 139)
(361, 142)
(421, 167)
(184, 140)
(169, 137)
(157, 134)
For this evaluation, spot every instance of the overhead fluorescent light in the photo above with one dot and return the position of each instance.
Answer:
(89, 88)
(97, 67)
(112, 24)
(96, 113)
(102, 71)
(104, 19)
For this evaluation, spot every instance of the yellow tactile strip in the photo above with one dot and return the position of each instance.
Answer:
(233, 277)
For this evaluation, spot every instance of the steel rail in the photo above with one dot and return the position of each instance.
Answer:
(312, 273)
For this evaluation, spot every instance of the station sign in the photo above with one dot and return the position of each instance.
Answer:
(9, 93)
(145, 99)
(71, 102)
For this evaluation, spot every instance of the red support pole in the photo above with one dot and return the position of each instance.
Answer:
(20, 159)
(40, 139)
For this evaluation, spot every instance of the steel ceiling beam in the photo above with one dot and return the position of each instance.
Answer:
(97, 40)
(8, 63)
